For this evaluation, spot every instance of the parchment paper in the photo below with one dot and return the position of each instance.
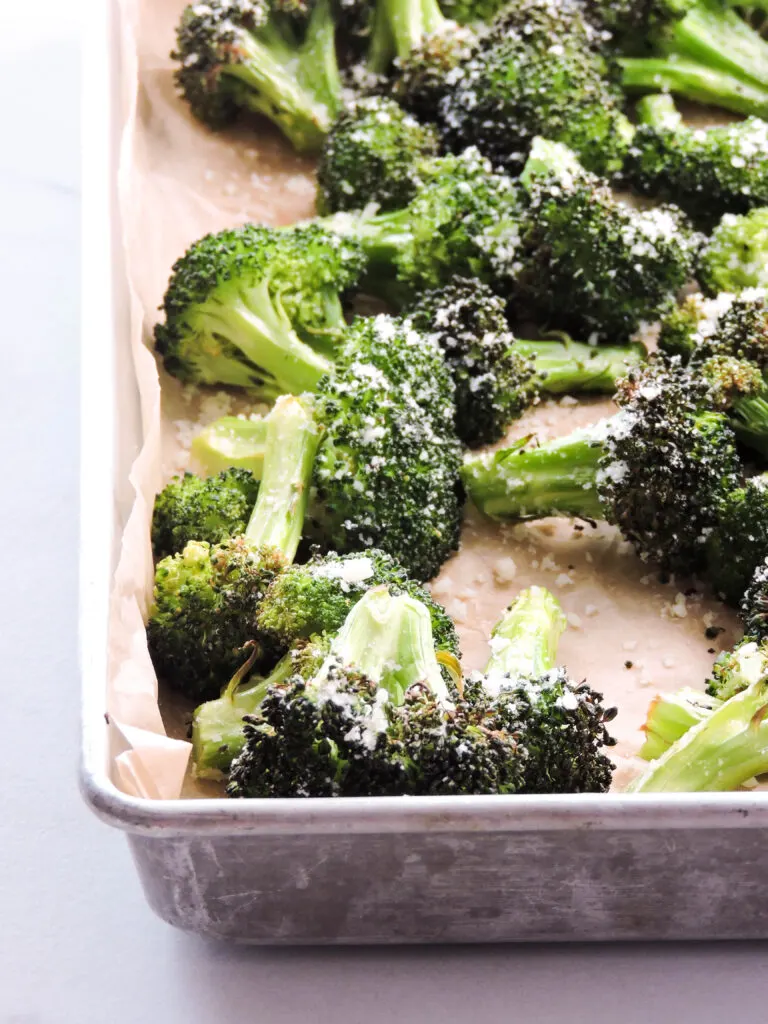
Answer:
(629, 635)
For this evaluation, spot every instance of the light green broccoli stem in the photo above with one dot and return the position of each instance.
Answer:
(659, 111)
(217, 725)
(389, 639)
(232, 443)
(409, 22)
(749, 418)
(299, 88)
(720, 39)
(557, 478)
(694, 82)
(293, 436)
(571, 366)
(670, 716)
(720, 753)
(524, 641)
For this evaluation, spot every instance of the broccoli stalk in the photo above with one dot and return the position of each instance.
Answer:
(400, 27)
(568, 367)
(728, 747)
(524, 641)
(243, 55)
(694, 82)
(232, 442)
(670, 716)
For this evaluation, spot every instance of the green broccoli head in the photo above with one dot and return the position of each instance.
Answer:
(635, 19)
(754, 604)
(585, 258)
(735, 257)
(494, 383)
(539, 72)
(734, 326)
(472, 12)
(316, 597)
(204, 611)
(193, 508)
(255, 307)
(387, 470)
(251, 55)
(372, 155)
(424, 77)
(739, 540)
(735, 670)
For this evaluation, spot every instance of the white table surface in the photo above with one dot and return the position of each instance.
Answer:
(77, 943)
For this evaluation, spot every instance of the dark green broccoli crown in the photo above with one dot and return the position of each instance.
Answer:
(193, 508)
(211, 37)
(668, 465)
(494, 383)
(232, 289)
(736, 255)
(598, 265)
(635, 19)
(204, 610)
(754, 605)
(730, 380)
(317, 597)
(561, 727)
(371, 155)
(731, 326)
(386, 474)
(735, 670)
(706, 172)
(538, 73)
(739, 540)
(424, 76)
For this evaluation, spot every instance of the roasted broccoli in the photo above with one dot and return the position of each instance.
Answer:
(496, 376)
(193, 508)
(736, 255)
(727, 747)
(738, 542)
(754, 604)
(249, 55)
(232, 442)
(728, 325)
(257, 308)
(539, 71)
(659, 470)
(670, 716)
(372, 155)
(707, 172)
(206, 597)
(316, 597)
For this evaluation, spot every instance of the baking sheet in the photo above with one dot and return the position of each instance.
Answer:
(628, 634)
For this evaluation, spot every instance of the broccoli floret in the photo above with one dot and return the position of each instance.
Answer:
(707, 172)
(217, 725)
(736, 255)
(249, 55)
(670, 716)
(739, 389)
(754, 604)
(539, 72)
(193, 508)
(257, 308)
(659, 470)
(588, 261)
(206, 597)
(699, 49)
(739, 540)
(232, 442)
(387, 470)
(425, 77)
(372, 155)
(729, 746)
(728, 325)
(316, 597)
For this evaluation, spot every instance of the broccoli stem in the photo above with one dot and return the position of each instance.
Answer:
(232, 443)
(725, 750)
(401, 26)
(277, 520)
(658, 110)
(524, 641)
(568, 366)
(670, 716)
(217, 725)
(748, 417)
(694, 82)
(298, 87)
(559, 478)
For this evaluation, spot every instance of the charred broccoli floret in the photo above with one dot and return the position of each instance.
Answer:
(257, 308)
(727, 747)
(193, 508)
(659, 470)
(372, 155)
(206, 597)
(739, 541)
(736, 255)
(250, 55)
(707, 172)
(316, 597)
(538, 72)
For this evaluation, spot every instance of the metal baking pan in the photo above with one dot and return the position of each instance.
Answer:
(375, 870)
